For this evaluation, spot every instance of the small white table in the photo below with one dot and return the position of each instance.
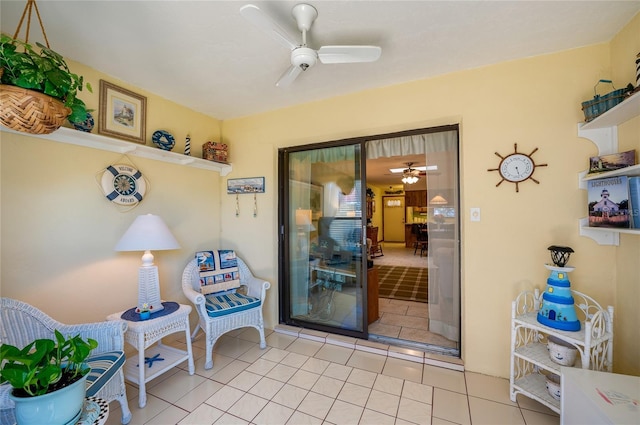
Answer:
(594, 397)
(142, 334)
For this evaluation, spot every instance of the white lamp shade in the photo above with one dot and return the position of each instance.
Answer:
(303, 217)
(147, 232)
(438, 200)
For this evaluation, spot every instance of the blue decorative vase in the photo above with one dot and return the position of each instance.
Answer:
(86, 125)
(144, 315)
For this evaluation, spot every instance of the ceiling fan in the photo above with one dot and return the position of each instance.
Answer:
(422, 169)
(410, 175)
(302, 56)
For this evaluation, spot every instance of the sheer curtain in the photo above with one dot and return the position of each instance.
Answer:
(441, 150)
(444, 237)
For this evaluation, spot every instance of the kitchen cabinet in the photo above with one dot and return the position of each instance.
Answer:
(415, 198)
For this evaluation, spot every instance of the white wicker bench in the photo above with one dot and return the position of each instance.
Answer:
(21, 323)
(218, 314)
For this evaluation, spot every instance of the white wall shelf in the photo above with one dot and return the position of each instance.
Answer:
(603, 132)
(622, 112)
(80, 138)
(627, 171)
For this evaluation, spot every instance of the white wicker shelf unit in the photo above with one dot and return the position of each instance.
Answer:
(530, 360)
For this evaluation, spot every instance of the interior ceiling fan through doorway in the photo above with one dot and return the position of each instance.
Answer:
(302, 56)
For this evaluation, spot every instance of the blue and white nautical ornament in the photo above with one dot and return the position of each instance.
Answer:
(558, 308)
(123, 184)
(163, 140)
(86, 125)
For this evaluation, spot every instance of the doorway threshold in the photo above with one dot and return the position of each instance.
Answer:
(386, 348)
(427, 348)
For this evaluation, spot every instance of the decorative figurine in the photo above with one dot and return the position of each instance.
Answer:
(187, 145)
(557, 310)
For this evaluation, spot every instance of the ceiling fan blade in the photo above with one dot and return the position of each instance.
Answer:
(257, 17)
(289, 76)
(349, 54)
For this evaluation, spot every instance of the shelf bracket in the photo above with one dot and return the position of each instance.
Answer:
(606, 139)
(601, 236)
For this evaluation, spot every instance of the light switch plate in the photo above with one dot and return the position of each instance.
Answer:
(475, 214)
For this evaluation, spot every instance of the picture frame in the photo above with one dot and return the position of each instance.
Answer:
(309, 196)
(615, 161)
(245, 185)
(123, 113)
(316, 201)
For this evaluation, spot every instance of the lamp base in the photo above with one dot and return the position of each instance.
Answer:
(149, 289)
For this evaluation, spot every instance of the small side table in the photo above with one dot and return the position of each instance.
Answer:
(142, 334)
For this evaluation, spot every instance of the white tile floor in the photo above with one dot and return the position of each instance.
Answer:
(405, 320)
(297, 380)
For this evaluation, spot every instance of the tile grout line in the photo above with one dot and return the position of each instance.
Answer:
(371, 349)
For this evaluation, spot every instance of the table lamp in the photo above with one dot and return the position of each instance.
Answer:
(148, 232)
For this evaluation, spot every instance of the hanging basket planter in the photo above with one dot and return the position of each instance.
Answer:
(30, 111)
(37, 89)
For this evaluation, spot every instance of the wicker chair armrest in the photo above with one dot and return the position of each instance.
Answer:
(194, 296)
(197, 299)
(256, 287)
(109, 334)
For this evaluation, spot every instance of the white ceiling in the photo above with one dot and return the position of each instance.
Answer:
(205, 55)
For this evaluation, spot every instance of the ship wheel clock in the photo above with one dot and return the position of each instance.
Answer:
(517, 167)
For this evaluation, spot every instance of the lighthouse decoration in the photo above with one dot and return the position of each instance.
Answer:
(557, 310)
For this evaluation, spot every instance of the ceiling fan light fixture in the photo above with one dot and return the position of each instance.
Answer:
(304, 58)
(410, 179)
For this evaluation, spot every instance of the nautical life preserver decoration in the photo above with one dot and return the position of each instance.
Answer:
(123, 184)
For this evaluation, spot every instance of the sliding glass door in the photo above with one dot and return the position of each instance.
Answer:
(322, 242)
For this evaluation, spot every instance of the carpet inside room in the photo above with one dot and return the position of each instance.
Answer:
(403, 283)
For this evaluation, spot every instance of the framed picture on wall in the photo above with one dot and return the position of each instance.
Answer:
(123, 113)
(307, 196)
(316, 201)
(245, 185)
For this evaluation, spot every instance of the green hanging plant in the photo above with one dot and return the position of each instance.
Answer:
(44, 71)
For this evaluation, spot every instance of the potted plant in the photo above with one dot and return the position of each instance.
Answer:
(45, 72)
(145, 311)
(48, 378)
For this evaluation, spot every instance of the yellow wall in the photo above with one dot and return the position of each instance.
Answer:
(533, 102)
(626, 354)
(58, 232)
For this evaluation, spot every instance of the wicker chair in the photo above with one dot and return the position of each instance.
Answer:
(22, 323)
(216, 319)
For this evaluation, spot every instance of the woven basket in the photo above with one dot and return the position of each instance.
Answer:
(30, 111)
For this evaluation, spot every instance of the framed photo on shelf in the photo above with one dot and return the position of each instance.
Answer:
(123, 113)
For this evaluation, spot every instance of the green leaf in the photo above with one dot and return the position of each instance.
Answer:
(78, 112)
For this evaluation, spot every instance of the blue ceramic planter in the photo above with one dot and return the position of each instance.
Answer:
(57, 408)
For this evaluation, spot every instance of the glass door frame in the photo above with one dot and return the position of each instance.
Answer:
(284, 259)
(283, 223)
